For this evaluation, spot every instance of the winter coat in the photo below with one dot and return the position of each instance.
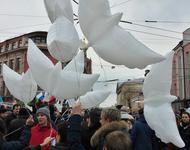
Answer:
(142, 136)
(98, 138)
(74, 133)
(38, 134)
(87, 133)
(20, 144)
(184, 131)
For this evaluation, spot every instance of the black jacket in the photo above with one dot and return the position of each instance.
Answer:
(20, 144)
(74, 133)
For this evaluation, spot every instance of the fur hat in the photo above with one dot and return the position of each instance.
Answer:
(45, 111)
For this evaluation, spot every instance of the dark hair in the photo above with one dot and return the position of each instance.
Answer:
(185, 113)
(62, 129)
(16, 105)
(24, 113)
(17, 126)
(2, 109)
(94, 116)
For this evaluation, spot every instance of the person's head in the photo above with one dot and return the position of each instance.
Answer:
(3, 128)
(43, 116)
(3, 112)
(94, 118)
(13, 126)
(117, 140)
(185, 117)
(109, 115)
(16, 108)
(24, 113)
(62, 129)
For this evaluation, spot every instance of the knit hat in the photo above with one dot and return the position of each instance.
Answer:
(45, 111)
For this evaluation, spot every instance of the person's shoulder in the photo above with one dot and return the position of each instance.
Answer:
(35, 127)
(54, 132)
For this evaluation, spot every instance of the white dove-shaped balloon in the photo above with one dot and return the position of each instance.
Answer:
(59, 8)
(76, 64)
(109, 40)
(63, 40)
(157, 102)
(93, 98)
(22, 87)
(57, 82)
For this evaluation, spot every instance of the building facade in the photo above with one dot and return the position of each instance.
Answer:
(129, 93)
(13, 52)
(181, 69)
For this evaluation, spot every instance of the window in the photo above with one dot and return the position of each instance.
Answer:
(18, 64)
(7, 47)
(10, 46)
(43, 39)
(14, 45)
(39, 39)
(1, 49)
(11, 63)
(26, 43)
(19, 43)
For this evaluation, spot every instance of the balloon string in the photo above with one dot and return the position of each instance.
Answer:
(62, 115)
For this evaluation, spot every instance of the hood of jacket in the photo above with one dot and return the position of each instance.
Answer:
(101, 133)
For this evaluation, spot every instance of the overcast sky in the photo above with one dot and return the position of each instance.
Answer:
(173, 17)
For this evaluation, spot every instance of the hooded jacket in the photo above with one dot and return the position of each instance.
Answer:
(98, 138)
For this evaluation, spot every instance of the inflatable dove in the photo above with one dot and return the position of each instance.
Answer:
(22, 87)
(57, 82)
(109, 40)
(76, 64)
(63, 40)
(59, 8)
(93, 99)
(157, 102)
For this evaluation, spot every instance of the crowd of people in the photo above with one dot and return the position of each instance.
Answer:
(74, 128)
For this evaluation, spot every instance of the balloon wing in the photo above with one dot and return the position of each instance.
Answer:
(59, 8)
(22, 87)
(39, 65)
(109, 40)
(76, 64)
(157, 107)
(63, 40)
(121, 48)
(93, 99)
(92, 22)
(66, 84)
(57, 82)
